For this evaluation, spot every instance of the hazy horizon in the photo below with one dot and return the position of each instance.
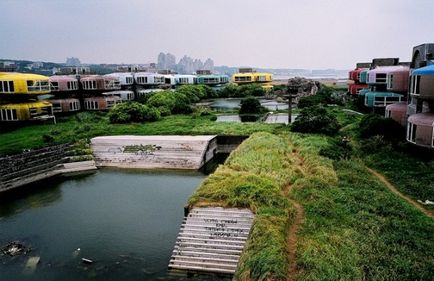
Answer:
(274, 34)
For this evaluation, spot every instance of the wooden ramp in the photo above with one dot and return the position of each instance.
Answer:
(211, 240)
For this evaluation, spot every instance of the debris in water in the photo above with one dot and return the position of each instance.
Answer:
(76, 253)
(14, 248)
(31, 264)
(86, 261)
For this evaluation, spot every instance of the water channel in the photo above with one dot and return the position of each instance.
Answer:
(125, 221)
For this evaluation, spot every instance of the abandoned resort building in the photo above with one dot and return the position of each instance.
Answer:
(23, 96)
(403, 91)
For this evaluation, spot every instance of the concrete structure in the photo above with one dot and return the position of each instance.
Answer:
(101, 102)
(212, 240)
(31, 166)
(154, 152)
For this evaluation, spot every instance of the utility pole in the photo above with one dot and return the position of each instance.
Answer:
(293, 86)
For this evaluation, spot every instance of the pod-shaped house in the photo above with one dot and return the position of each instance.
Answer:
(420, 126)
(30, 111)
(65, 105)
(101, 102)
(184, 79)
(126, 79)
(149, 79)
(125, 95)
(63, 83)
(397, 112)
(23, 83)
(99, 83)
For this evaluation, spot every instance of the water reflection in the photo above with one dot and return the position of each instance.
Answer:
(126, 221)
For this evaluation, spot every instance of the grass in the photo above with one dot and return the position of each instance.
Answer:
(255, 176)
(87, 125)
(358, 230)
(411, 174)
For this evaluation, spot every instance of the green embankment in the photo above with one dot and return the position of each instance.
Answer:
(256, 176)
(354, 228)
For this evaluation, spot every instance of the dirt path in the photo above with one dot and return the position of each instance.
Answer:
(292, 240)
(395, 191)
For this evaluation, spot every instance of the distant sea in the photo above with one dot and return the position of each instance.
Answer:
(316, 77)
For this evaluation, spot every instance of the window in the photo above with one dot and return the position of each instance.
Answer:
(7, 87)
(411, 132)
(73, 106)
(57, 107)
(41, 85)
(415, 85)
(55, 86)
(381, 78)
(91, 104)
(8, 114)
(390, 81)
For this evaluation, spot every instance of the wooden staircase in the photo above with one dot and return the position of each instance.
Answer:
(211, 240)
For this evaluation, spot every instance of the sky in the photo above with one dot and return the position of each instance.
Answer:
(313, 34)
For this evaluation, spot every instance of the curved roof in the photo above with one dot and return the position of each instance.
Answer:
(387, 69)
(119, 74)
(397, 107)
(427, 70)
(423, 119)
(21, 76)
(382, 94)
(57, 78)
(36, 104)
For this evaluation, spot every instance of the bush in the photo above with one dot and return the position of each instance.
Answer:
(325, 95)
(209, 92)
(182, 104)
(337, 149)
(316, 119)
(132, 112)
(375, 125)
(165, 99)
(228, 91)
(194, 93)
(249, 90)
(250, 105)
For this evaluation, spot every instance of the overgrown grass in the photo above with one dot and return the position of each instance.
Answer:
(87, 125)
(255, 176)
(358, 230)
(408, 172)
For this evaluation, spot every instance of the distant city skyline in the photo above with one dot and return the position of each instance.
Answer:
(312, 34)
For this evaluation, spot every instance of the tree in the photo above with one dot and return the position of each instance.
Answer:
(133, 112)
(316, 119)
(251, 105)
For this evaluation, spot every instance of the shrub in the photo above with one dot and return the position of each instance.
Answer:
(132, 112)
(209, 92)
(193, 92)
(165, 99)
(228, 91)
(337, 149)
(249, 90)
(325, 95)
(251, 105)
(374, 124)
(316, 119)
(182, 104)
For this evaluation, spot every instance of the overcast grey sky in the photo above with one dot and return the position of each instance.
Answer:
(265, 33)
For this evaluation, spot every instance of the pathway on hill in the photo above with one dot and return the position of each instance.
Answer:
(291, 245)
(394, 190)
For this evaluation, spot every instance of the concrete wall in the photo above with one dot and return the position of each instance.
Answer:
(153, 152)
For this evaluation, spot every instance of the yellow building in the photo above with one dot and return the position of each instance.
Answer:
(23, 83)
(262, 78)
(29, 111)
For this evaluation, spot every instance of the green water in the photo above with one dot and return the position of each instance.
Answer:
(125, 221)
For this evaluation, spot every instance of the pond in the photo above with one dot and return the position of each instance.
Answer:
(234, 103)
(125, 221)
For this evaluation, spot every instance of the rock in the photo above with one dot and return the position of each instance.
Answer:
(14, 248)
